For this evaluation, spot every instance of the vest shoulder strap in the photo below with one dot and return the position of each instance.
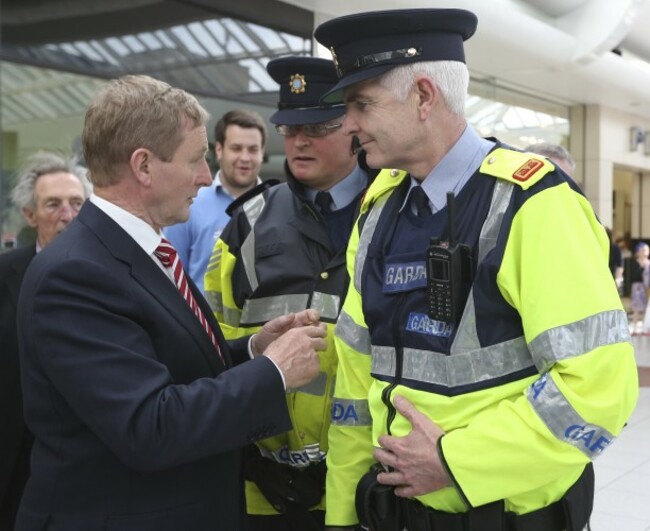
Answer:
(236, 203)
(522, 169)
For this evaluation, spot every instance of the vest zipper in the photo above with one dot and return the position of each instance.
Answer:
(399, 355)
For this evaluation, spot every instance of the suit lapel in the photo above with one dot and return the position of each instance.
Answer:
(150, 277)
(212, 321)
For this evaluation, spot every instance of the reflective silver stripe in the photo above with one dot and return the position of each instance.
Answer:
(215, 259)
(490, 230)
(347, 412)
(355, 336)
(365, 237)
(265, 309)
(580, 337)
(328, 305)
(564, 421)
(214, 300)
(463, 368)
(314, 452)
(231, 316)
(252, 209)
(311, 453)
(467, 337)
(316, 387)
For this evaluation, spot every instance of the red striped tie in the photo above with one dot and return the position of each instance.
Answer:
(167, 255)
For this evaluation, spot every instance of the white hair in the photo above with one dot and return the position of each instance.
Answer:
(43, 163)
(451, 78)
(555, 152)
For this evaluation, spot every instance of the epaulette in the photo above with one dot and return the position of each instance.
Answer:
(524, 169)
(251, 193)
(385, 180)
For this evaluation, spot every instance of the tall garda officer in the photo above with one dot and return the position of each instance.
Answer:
(480, 372)
(283, 251)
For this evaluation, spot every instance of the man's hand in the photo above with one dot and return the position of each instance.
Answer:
(294, 353)
(415, 465)
(278, 326)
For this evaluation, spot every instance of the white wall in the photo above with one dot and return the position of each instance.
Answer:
(605, 135)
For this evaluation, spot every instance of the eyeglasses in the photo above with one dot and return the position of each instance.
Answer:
(310, 130)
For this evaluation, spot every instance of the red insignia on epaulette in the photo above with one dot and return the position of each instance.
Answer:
(527, 170)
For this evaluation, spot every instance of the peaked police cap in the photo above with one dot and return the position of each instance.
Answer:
(303, 81)
(366, 45)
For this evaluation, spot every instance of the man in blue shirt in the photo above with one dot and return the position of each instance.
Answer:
(240, 137)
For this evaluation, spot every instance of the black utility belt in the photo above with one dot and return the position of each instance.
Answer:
(380, 510)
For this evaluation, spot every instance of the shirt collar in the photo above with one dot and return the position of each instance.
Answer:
(345, 190)
(220, 188)
(455, 168)
(143, 233)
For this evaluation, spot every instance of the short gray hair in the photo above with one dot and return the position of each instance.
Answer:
(451, 77)
(43, 163)
(553, 152)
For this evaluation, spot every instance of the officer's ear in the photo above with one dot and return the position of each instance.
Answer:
(426, 93)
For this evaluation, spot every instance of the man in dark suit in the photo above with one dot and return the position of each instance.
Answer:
(138, 407)
(50, 191)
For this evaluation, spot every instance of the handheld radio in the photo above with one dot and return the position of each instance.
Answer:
(449, 272)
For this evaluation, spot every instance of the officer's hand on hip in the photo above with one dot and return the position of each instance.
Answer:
(278, 326)
(294, 353)
(415, 466)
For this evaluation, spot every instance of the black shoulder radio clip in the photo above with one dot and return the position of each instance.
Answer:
(449, 272)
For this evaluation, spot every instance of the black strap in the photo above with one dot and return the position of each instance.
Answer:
(377, 506)
(571, 513)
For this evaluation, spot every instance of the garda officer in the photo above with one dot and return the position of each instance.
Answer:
(283, 251)
(480, 371)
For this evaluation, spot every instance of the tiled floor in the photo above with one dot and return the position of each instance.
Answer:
(622, 500)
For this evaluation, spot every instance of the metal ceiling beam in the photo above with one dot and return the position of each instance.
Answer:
(31, 22)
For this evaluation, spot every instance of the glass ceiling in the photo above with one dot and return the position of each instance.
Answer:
(221, 58)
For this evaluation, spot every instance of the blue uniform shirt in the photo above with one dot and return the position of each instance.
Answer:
(455, 168)
(345, 190)
(195, 239)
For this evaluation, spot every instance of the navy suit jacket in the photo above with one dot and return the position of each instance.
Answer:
(15, 439)
(137, 423)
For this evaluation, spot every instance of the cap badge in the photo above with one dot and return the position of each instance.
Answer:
(297, 84)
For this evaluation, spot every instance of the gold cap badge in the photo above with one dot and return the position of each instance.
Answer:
(297, 84)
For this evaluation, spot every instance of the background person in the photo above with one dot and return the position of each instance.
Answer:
(129, 388)
(616, 264)
(640, 281)
(556, 153)
(297, 243)
(240, 138)
(457, 381)
(49, 191)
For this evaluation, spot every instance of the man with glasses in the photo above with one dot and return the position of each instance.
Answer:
(283, 251)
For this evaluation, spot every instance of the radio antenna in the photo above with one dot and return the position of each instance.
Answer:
(451, 218)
